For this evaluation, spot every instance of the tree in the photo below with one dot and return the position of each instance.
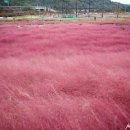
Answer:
(118, 10)
(5, 2)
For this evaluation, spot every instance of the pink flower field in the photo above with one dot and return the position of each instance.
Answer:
(64, 76)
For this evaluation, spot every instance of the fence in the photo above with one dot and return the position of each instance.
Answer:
(40, 12)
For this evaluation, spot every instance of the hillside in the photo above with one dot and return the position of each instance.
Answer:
(96, 5)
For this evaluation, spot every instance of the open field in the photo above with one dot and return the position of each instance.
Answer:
(64, 76)
(80, 18)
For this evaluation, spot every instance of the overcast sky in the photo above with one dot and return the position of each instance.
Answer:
(123, 1)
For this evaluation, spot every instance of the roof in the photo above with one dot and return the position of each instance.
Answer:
(39, 7)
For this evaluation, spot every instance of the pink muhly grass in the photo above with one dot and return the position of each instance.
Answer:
(65, 76)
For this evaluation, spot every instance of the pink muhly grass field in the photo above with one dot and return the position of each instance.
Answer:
(64, 76)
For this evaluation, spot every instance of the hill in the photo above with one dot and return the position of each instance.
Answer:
(68, 5)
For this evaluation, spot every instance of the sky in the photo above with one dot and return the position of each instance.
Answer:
(122, 1)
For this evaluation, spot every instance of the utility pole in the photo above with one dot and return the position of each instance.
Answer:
(65, 7)
(76, 8)
(103, 9)
(89, 6)
(8, 3)
(62, 6)
(118, 10)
